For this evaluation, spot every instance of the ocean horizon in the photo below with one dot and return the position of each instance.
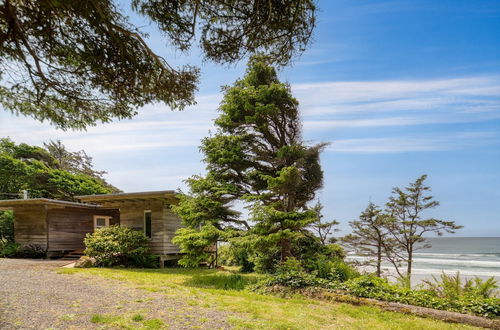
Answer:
(470, 256)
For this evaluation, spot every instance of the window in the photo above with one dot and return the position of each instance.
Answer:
(101, 221)
(147, 223)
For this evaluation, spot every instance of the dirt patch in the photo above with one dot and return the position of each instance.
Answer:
(34, 296)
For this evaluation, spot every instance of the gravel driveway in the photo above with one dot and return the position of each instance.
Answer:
(34, 296)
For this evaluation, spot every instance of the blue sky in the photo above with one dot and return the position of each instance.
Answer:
(399, 88)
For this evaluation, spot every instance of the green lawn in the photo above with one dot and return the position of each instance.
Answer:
(224, 291)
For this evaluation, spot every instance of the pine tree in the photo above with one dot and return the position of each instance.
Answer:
(368, 235)
(258, 156)
(407, 227)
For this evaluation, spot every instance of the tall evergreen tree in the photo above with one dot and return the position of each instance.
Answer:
(257, 155)
(368, 236)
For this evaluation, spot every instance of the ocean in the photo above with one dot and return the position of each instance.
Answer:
(471, 256)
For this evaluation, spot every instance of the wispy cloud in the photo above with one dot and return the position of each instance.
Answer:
(403, 144)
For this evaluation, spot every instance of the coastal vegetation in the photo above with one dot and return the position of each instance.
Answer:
(395, 234)
(247, 309)
(51, 172)
(256, 159)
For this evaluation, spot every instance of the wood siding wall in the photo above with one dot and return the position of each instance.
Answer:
(68, 226)
(172, 223)
(163, 225)
(30, 226)
(132, 215)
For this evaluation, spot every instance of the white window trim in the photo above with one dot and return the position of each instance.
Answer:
(144, 223)
(106, 219)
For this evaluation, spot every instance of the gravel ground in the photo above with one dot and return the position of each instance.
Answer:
(34, 296)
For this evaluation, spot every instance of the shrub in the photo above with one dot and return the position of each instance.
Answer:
(378, 288)
(370, 286)
(115, 246)
(332, 269)
(8, 249)
(33, 251)
(7, 225)
(453, 286)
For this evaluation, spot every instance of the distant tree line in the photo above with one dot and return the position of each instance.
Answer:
(51, 171)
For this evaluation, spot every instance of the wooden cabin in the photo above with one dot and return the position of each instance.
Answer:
(59, 227)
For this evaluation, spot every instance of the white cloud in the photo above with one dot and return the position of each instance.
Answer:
(457, 94)
(428, 143)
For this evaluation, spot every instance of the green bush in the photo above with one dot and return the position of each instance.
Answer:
(369, 286)
(378, 288)
(454, 286)
(119, 246)
(33, 251)
(8, 249)
(7, 225)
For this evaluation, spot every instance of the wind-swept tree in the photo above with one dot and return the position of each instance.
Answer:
(74, 63)
(323, 229)
(407, 225)
(257, 155)
(76, 162)
(32, 168)
(368, 236)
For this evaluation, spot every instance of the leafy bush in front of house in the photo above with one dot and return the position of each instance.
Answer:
(119, 246)
(8, 249)
(7, 226)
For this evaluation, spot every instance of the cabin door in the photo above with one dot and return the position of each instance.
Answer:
(101, 221)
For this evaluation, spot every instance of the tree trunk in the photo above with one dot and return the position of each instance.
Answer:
(379, 258)
(285, 249)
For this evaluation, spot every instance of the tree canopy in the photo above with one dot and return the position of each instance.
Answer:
(32, 168)
(74, 63)
(258, 156)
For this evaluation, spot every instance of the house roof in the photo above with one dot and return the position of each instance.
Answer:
(9, 203)
(144, 195)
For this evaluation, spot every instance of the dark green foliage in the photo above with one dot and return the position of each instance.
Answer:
(31, 168)
(75, 63)
(9, 249)
(7, 225)
(370, 286)
(119, 246)
(33, 251)
(378, 288)
(238, 252)
(257, 157)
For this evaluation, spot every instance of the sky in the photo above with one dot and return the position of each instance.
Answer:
(398, 88)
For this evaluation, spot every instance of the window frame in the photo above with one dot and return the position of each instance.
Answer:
(106, 218)
(150, 224)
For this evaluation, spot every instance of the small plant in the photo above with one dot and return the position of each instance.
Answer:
(137, 318)
(8, 249)
(454, 286)
(115, 246)
(223, 282)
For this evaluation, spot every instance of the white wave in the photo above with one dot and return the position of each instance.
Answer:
(469, 263)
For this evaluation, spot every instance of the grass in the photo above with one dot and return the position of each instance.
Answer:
(248, 310)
